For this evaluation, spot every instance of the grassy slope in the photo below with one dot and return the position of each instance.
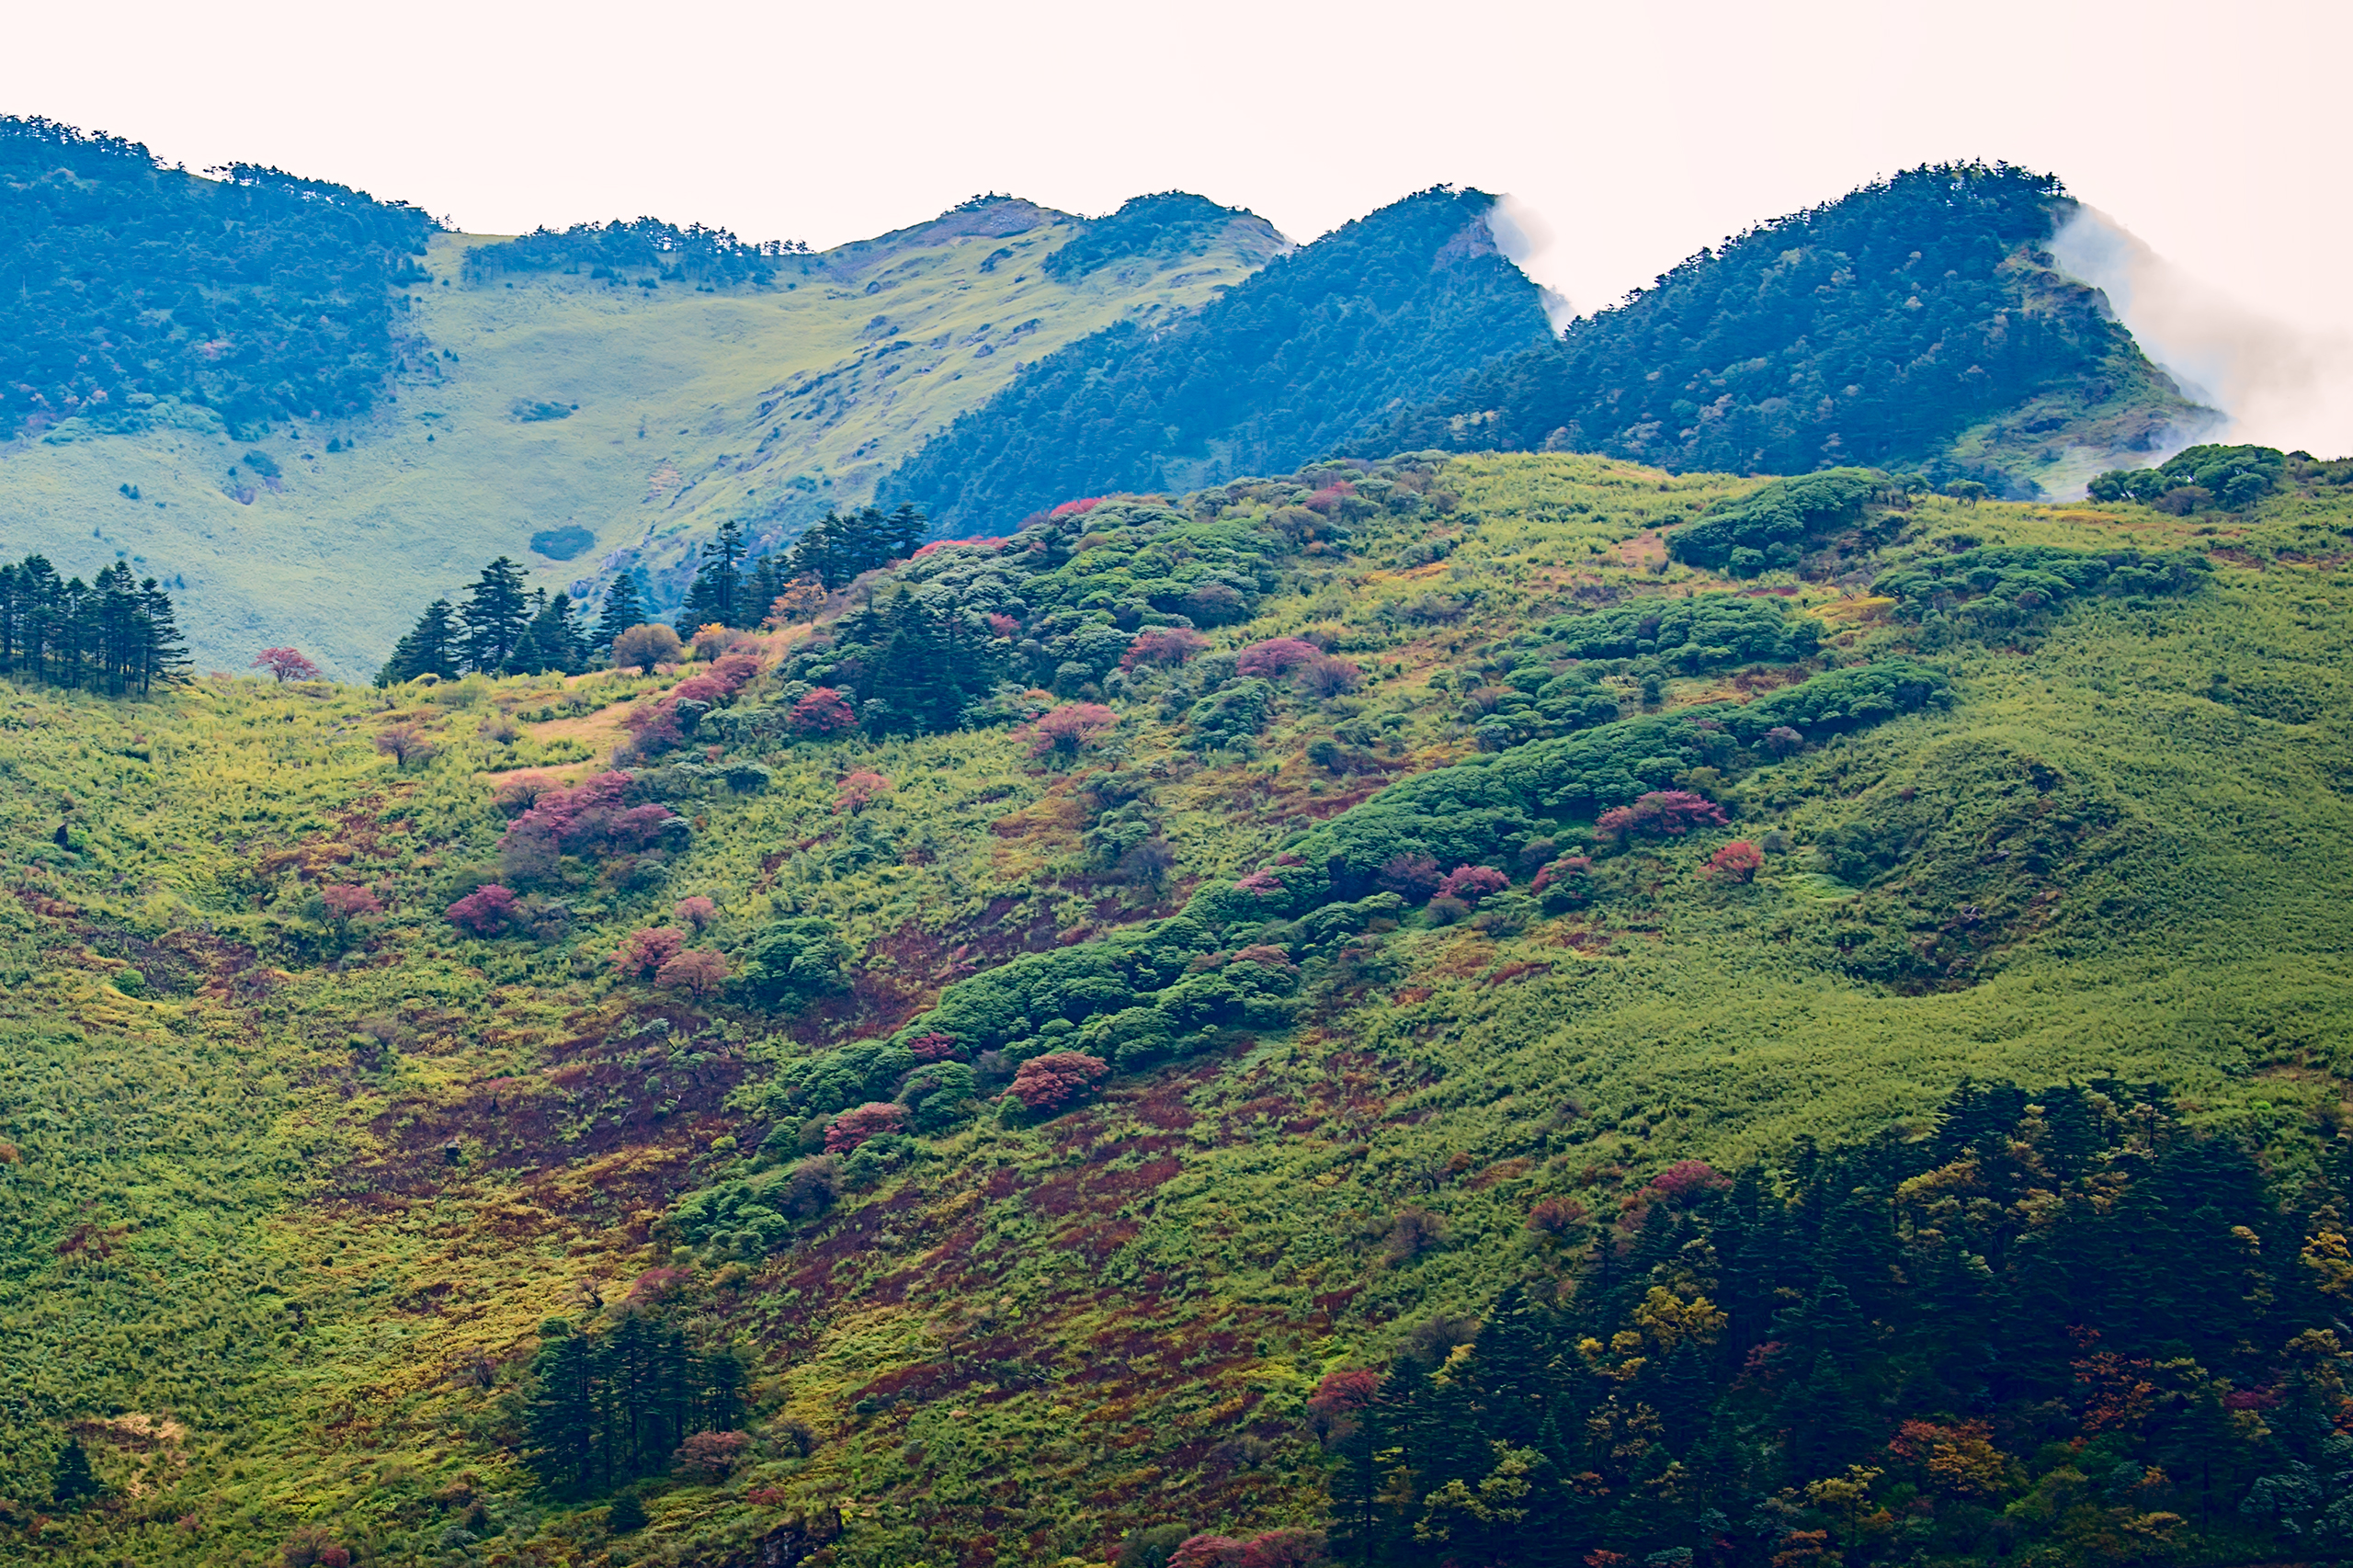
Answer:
(1040, 1334)
(686, 417)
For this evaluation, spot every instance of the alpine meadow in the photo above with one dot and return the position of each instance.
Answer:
(1111, 892)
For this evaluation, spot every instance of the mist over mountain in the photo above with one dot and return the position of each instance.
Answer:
(1921, 322)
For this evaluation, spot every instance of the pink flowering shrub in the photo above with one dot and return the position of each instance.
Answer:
(589, 820)
(1410, 874)
(1738, 862)
(859, 790)
(485, 912)
(642, 953)
(1004, 626)
(1056, 1079)
(872, 1119)
(936, 1047)
(698, 972)
(1064, 732)
(345, 901)
(1075, 508)
(1276, 657)
(516, 795)
(1264, 884)
(709, 1457)
(1473, 883)
(940, 544)
(1324, 677)
(1162, 645)
(697, 912)
(1667, 812)
(1685, 1177)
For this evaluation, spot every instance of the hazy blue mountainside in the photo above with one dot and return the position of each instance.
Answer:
(1304, 356)
(1916, 322)
(125, 285)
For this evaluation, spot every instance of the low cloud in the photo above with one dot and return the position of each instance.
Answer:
(2281, 385)
(1522, 234)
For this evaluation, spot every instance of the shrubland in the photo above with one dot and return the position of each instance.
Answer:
(1403, 1011)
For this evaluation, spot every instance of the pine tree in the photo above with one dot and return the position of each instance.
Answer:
(431, 647)
(527, 658)
(716, 593)
(70, 1480)
(559, 1424)
(164, 654)
(495, 614)
(624, 608)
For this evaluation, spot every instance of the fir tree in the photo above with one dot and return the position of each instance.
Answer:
(559, 1424)
(716, 595)
(495, 614)
(70, 1480)
(431, 647)
(624, 608)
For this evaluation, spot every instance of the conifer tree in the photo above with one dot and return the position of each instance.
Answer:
(624, 608)
(716, 593)
(431, 647)
(496, 611)
(70, 1479)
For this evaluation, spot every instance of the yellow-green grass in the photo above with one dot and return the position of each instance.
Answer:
(683, 418)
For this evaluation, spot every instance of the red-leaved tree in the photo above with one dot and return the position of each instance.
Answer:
(1074, 508)
(823, 712)
(859, 790)
(854, 1127)
(698, 971)
(642, 953)
(936, 1047)
(1473, 883)
(1057, 1079)
(1738, 862)
(1670, 813)
(1162, 645)
(1276, 657)
(697, 912)
(1064, 732)
(485, 912)
(285, 663)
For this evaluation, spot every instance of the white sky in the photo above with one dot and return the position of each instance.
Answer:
(1637, 132)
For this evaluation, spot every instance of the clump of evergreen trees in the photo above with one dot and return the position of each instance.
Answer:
(2059, 1323)
(647, 247)
(116, 634)
(501, 628)
(610, 1407)
(262, 295)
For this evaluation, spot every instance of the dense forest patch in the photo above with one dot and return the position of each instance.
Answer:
(130, 288)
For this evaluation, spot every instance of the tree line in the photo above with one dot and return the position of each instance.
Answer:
(116, 635)
(497, 626)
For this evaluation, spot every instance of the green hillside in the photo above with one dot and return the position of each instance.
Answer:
(1391, 1013)
(1916, 323)
(1286, 368)
(579, 422)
